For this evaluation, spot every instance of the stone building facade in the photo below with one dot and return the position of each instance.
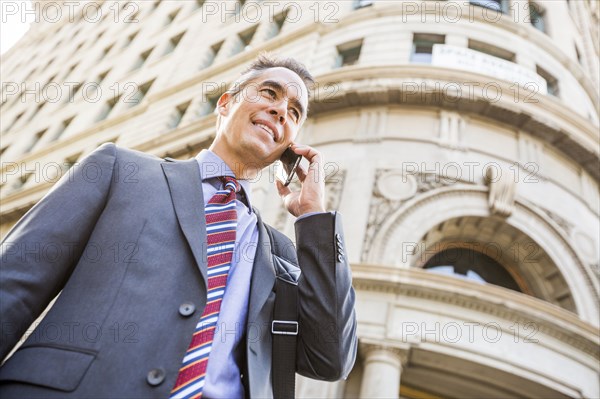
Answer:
(462, 146)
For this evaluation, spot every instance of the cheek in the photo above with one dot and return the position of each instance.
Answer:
(292, 133)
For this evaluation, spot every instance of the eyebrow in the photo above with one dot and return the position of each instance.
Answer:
(279, 87)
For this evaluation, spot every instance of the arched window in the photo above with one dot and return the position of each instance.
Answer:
(471, 265)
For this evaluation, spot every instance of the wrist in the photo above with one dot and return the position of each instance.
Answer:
(311, 211)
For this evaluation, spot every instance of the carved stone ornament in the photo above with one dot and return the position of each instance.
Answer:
(391, 189)
(396, 186)
(502, 188)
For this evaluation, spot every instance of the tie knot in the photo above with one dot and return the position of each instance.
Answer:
(231, 183)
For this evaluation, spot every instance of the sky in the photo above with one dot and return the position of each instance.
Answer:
(14, 22)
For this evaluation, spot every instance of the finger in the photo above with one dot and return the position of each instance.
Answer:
(281, 189)
(301, 172)
(308, 152)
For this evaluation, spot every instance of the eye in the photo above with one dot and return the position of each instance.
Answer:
(270, 92)
(296, 113)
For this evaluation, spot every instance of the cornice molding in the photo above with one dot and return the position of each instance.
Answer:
(548, 119)
(484, 298)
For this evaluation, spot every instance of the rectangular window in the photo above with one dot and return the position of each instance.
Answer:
(211, 101)
(106, 51)
(72, 91)
(246, 37)
(108, 108)
(171, 17)
(70, 71)
(551, 81)
(198, 4)
(50, 80)
(37, 110)
(22, 180)
(213, 51)
(537, 17)
(349, 53)
(102, 76)
(278, 22)
(497, 5)
(141, 92)
(14, 122)
(362, 3)
(141, 60)
(173, 43)
(36, 138)
(63, 126)
(491, 50)
(130, 39)
(178, 115)
(422, 48)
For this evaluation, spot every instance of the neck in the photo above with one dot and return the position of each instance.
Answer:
(240, 169)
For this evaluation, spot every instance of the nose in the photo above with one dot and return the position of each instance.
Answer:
(279, 110)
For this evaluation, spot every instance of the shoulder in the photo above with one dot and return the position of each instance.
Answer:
(125, 154)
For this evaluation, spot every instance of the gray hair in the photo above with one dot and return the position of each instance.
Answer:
(263, 62)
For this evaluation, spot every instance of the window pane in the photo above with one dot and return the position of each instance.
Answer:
(491, 4)
(472, 265)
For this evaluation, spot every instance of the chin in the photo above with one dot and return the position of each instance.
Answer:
(259, 154)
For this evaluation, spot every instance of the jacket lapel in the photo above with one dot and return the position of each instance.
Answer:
(185, 186)
(263, 272)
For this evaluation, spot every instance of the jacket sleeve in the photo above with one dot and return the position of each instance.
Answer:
(40, 251)
(327, 341)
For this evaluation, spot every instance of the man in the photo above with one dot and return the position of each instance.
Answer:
(166, 292)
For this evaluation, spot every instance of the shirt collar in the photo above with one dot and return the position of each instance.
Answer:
(212, 166)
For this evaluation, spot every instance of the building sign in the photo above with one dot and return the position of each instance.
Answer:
(475, 61)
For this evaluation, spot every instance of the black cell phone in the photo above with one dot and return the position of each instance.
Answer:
(290, 161)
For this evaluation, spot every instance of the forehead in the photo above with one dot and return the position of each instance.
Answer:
(292, 83)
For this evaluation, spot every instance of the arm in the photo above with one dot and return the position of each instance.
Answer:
(327, 340)
(39, 253)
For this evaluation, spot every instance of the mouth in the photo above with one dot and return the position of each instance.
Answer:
(267, 127)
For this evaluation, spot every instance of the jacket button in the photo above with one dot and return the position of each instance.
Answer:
(187, 309)
(340, 258)
(155, 376)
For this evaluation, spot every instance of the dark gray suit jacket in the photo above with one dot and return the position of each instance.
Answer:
(123, 236)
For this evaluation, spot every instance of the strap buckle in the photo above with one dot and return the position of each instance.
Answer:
(284, 327)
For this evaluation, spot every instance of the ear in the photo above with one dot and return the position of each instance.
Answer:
(223, 104)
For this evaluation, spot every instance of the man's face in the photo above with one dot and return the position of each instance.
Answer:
(262, 120)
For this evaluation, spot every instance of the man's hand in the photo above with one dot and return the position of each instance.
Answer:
(311, 197)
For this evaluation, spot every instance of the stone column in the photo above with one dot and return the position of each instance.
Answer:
(382, 369)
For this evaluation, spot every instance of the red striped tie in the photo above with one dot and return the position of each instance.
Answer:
(221, 221)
